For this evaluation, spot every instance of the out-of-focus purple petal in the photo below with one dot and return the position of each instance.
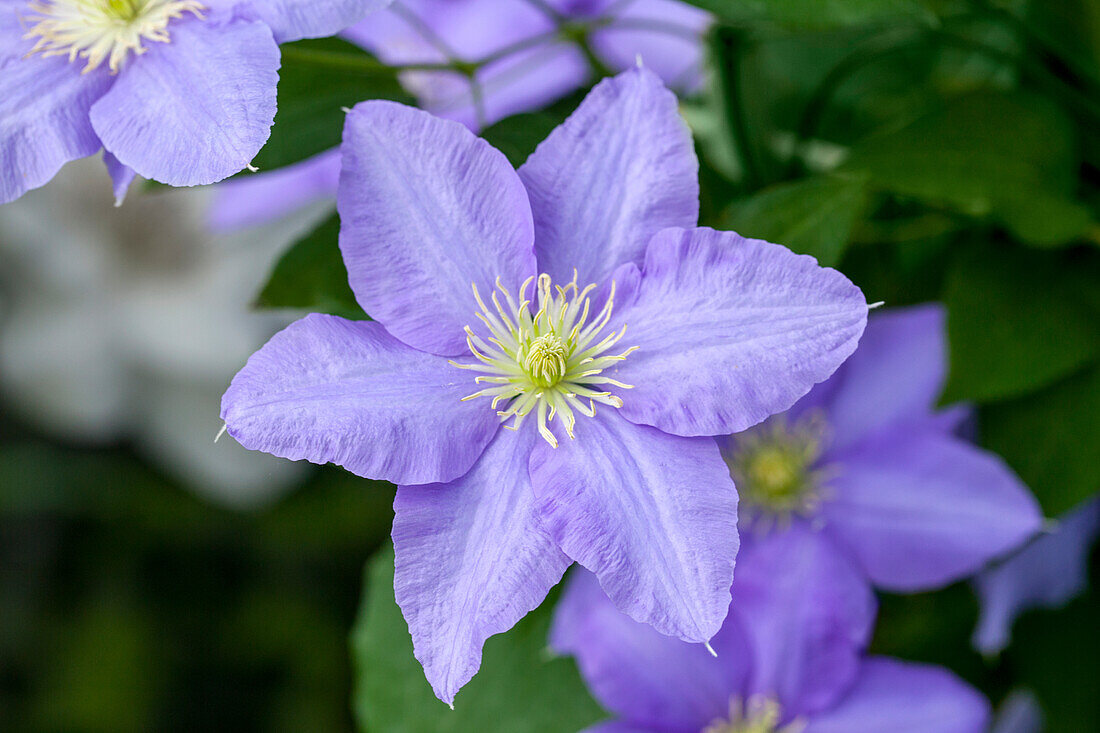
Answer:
(427, 209)
(621, 168)
(330, 390)
(654, 516)
(921, 509)
(472, 559)
(1046, 574)
(195, 110)
(643, 676)
(253, 200)
(291, 20)
(1019, 713)
(666, 35)
(899, 697)
(44, 105)
(121, 176)
(895, 375)
(808, 613)
(418, 31)
(730, 331)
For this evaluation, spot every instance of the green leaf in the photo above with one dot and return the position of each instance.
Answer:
(815, 14)
(1050, 439)
(1011, 159)
(519, 689)
(311, 276)
(1015, 324)
(814, 216)
(318, 79)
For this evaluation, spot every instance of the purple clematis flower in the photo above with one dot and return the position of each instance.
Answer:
(604, 460)
(1048, 573)
(539, 60)
(790, 657)
(868, 461)
(180, 91)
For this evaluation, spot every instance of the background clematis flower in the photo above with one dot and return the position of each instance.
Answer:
(790, 657)
(122, 324)
(180, 91)
(540, 60)
(604, 460)
(867, 459)
(1026, 580)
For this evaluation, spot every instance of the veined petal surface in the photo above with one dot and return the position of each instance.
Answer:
(653, 515)
(472, 560)
(427, 210)
(197, 109)
(620, 169)
(330, 390)
(730, 330)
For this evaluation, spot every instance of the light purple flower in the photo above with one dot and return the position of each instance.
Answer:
(180, 91)
(790, 657)
(437, 226)
(537, 65)
(868, 460)
(1048, 573)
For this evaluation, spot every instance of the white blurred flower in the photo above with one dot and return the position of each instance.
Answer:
(128, 323)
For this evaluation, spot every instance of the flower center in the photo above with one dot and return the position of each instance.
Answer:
(550, 362)
(775, 469)
(103, 30)
(761, 715)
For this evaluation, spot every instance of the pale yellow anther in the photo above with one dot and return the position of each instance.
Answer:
(545, 362)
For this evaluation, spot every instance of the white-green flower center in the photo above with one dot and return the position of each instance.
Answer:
(550, 362)
(775, 468)
(102, 30)
(761, 715)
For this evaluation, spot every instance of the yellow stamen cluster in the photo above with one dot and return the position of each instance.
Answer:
(774, 467)
(761, 715)
(550, 362)
(102, 30)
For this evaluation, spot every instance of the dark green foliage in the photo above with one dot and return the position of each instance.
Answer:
(521, 687)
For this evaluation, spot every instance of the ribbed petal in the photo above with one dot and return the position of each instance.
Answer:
(729, 330)
(920, 509)
(644, 30)
(427, 209)
(808, 613)
(654, 516)
(195, 110)
(472, 559)
(330, 390)
(44, 105)
(640, 675)
(898, 697)
(620, 169)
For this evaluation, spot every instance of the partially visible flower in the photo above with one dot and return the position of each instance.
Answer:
(540, 60)
(1047, 573)
(542, 50)
(123, 324)
(503, 296)
(867, 460)
(180, 91)
(790, 658)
